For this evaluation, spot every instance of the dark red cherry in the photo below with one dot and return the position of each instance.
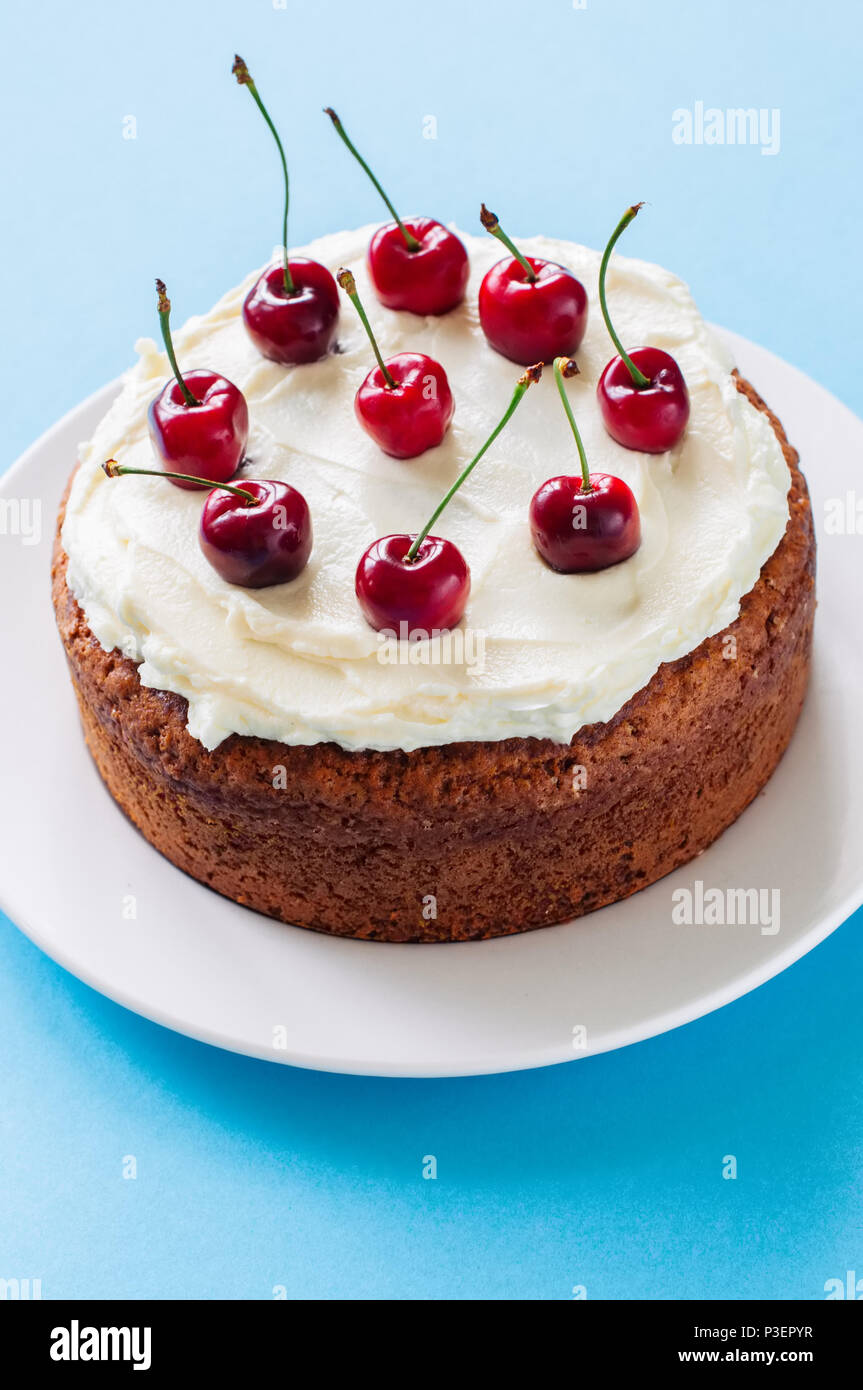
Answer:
(410, 416)
(642, 394)
(293, 328)
(255, 533)
(576, 531)
(415, 263)
(426, 595)
(530, 310)
(207, 439)
(255, 545)
(292, 310)
(429, 280)
(650, 418)
(587, 522)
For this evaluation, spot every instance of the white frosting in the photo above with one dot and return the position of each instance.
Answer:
(298, 662)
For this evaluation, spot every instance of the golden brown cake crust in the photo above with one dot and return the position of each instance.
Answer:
(493, 838)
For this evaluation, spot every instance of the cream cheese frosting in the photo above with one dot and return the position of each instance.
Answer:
(540, 654)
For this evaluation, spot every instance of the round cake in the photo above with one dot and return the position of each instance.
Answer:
(574, 739)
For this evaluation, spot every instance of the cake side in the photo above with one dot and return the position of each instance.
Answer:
(493, 837)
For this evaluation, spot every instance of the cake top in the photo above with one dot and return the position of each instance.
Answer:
(538, 654)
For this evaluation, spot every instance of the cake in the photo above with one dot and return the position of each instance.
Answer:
(575, 739)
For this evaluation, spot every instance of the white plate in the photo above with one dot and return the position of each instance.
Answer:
(70, 863)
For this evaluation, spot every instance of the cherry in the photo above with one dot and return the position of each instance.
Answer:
(202, 430)
(584, 523)
(296, 326)
(258, 543)
(292, 310)
(530, 309)
(420, 597)
(255, 535)
(405, 403)
(414, 586)
(642, 395)
(415, 263)
(428, 280)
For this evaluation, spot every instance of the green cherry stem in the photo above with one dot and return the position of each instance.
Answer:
(568, 367)
(120, 470)
(639, 380)
(164, 320)
(349, 285)
(410, 240)
(527, 379)
(241, 72)
(491, 224)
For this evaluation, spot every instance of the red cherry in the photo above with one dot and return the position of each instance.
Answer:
(530, 310)
(650, 418)
(642, 395)
(405, 403)
(577, 531)
(532, 320)
(199, 423)
(427, 594)
(298, 327)
(415, 263)
(255, 534)
(292, 309)
(429, 280)
(267, 542)
(588, 522)
(410, 416)
(207, 439)
(415, 585)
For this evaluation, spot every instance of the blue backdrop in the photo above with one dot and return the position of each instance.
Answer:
(134, 154)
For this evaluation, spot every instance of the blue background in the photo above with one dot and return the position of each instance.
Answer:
(605, 1172)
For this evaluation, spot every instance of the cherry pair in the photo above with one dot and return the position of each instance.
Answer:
(257, 534)
(291, 312)
(532, 309)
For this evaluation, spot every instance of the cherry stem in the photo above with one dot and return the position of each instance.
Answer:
(525, 380)
(639, 380)
(164, 320)
(120, 470)
(568, 367)
(349, 285)
(410, 240)
(241, 72)
(491, 224)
